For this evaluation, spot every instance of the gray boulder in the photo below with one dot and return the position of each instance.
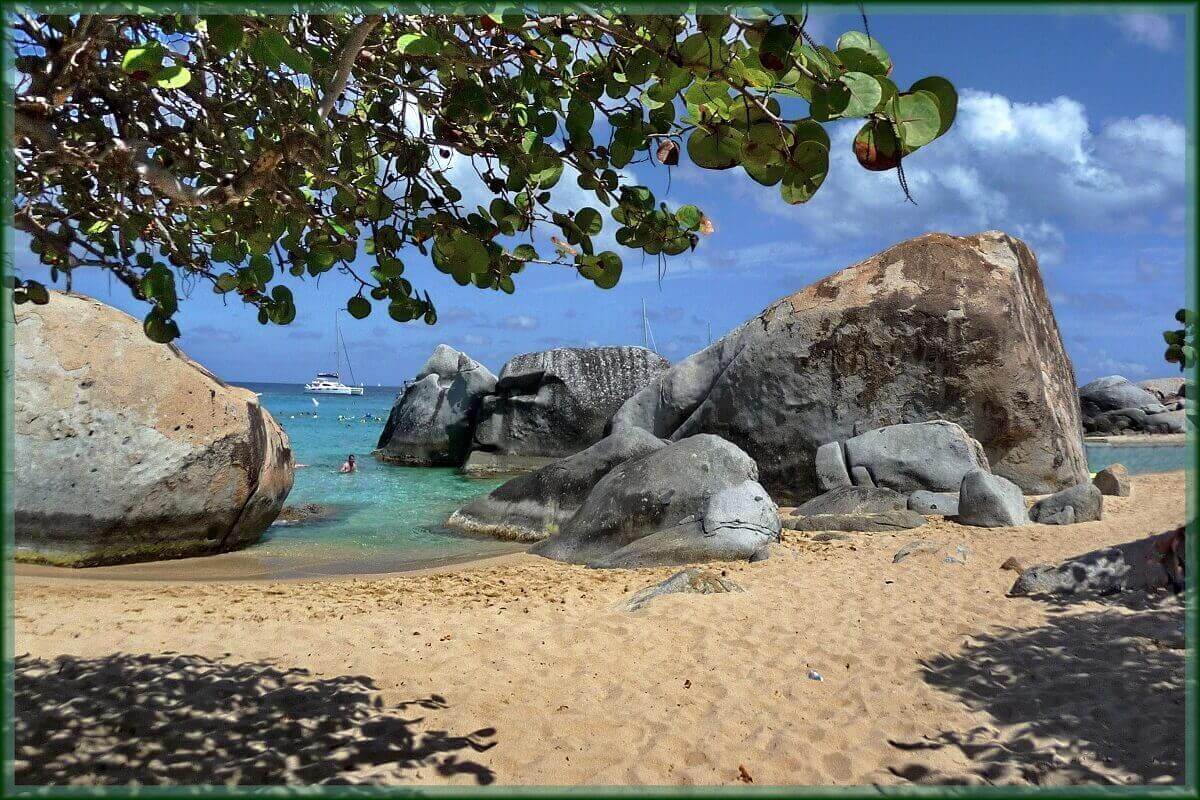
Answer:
(432, 421)
(1083, 502)
(1148, 564)
(555, 403)
(1136, 421)
(1167, 390)
(531, 507)
(990, 501)
(853, 500)
(831, 468)
(1113, 480)
(934, 503)
(1112, 393)
(893, 520)
(694, 500)
(126, 450)
(926, 455)
(937, 327)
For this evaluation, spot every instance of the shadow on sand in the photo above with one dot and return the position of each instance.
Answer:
(1091, 697)
(184, 719)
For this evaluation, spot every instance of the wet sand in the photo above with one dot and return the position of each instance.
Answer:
(520, 670)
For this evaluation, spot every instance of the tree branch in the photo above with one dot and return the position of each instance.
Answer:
(354, 44)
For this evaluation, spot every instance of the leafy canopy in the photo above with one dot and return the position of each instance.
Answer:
(234, 151)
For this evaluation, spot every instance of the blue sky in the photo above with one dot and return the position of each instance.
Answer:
(1071, 134)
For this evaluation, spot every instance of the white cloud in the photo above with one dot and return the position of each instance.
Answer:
(1034, 169)
(1152, 30)
(519, 322)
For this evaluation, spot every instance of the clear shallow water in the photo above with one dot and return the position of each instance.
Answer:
(385, 517)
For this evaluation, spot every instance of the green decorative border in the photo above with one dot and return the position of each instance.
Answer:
(1190, 788)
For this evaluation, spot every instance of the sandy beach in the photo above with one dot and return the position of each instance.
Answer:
(520, 670)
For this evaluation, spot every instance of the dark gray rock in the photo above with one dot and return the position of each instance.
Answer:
(830, 465)
(990, 501)
(694, 500)
(1115, 406)
(853, 500)
(1083, 502)
(554, 403)
(927, 455)
(1113, 480)
(433, 420)
(937, 327)
(934, 503)
(1135, 421)
(1148, 564)
(895, 520)
(531, 507)
(690, 581)
(861, 476)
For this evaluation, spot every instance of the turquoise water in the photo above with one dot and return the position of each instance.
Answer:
(1137, 459)
(384, 517)
(387, 518)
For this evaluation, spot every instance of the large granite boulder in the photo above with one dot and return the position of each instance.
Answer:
(1115, 405)
(1168, 390)
(937, 327)
(531, 507)
(433, 419)
(853, 500)
(126, 450)
(990, 501)
(697, 499)
(554, 403)
(905, 458)
(943, 504)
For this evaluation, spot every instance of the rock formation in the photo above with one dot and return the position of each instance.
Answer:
(555, 403)
(696, 499)
(433, 420)
(1082, 503)
(1114, 405)
(937, 327)
(127, 450)
(905, 458)
(990, 501)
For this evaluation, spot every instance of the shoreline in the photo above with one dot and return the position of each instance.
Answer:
(1140, 440)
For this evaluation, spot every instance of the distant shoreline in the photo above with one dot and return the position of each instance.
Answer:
(1140, 440)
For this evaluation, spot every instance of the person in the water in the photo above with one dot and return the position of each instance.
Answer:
(349, 466)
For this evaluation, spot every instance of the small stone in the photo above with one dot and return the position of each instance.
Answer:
(1113, 480)
(813, 675)
(1012, 564)
(918, 546)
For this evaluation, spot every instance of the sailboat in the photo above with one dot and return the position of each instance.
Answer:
(331, 382)
(647, 334)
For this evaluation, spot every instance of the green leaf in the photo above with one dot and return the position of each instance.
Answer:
(829, 101)
(413, 44)
(589, 221)
(273, 49)
(359, 307)
(610, 270)
(689, 217)
(175, 77)
(947, 99)
(806, 172)
(865, 94)
(714, 150)
(876, 146)
(143, 58)
(225, 32)
(857, 40)
(919, 119)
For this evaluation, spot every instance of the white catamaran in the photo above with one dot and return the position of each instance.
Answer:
(331, 382)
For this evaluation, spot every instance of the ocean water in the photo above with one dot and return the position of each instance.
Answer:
(386, 518)
(383, 517)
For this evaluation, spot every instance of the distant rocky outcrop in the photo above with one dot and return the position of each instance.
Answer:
(126, 450)
(433, 420)
(1113, 405)
(937, 327)
(696, 499)
(555, 403)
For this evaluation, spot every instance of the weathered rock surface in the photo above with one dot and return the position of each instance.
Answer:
(1084, 502)
(990, 501)
(531, 507)
(831, 468)
(934, 503)
(1113, 480)
(694, 500)
(555, 403)
(925, 455)
(1167, 390)
(1148, 564)
(690, 581)
(894, 520)
(853, 500)
(126, 450)
(937, 327)
(1114, 405)
(432, 422)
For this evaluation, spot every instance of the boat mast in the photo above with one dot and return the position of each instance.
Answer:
(647, 334)
(349, 366)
